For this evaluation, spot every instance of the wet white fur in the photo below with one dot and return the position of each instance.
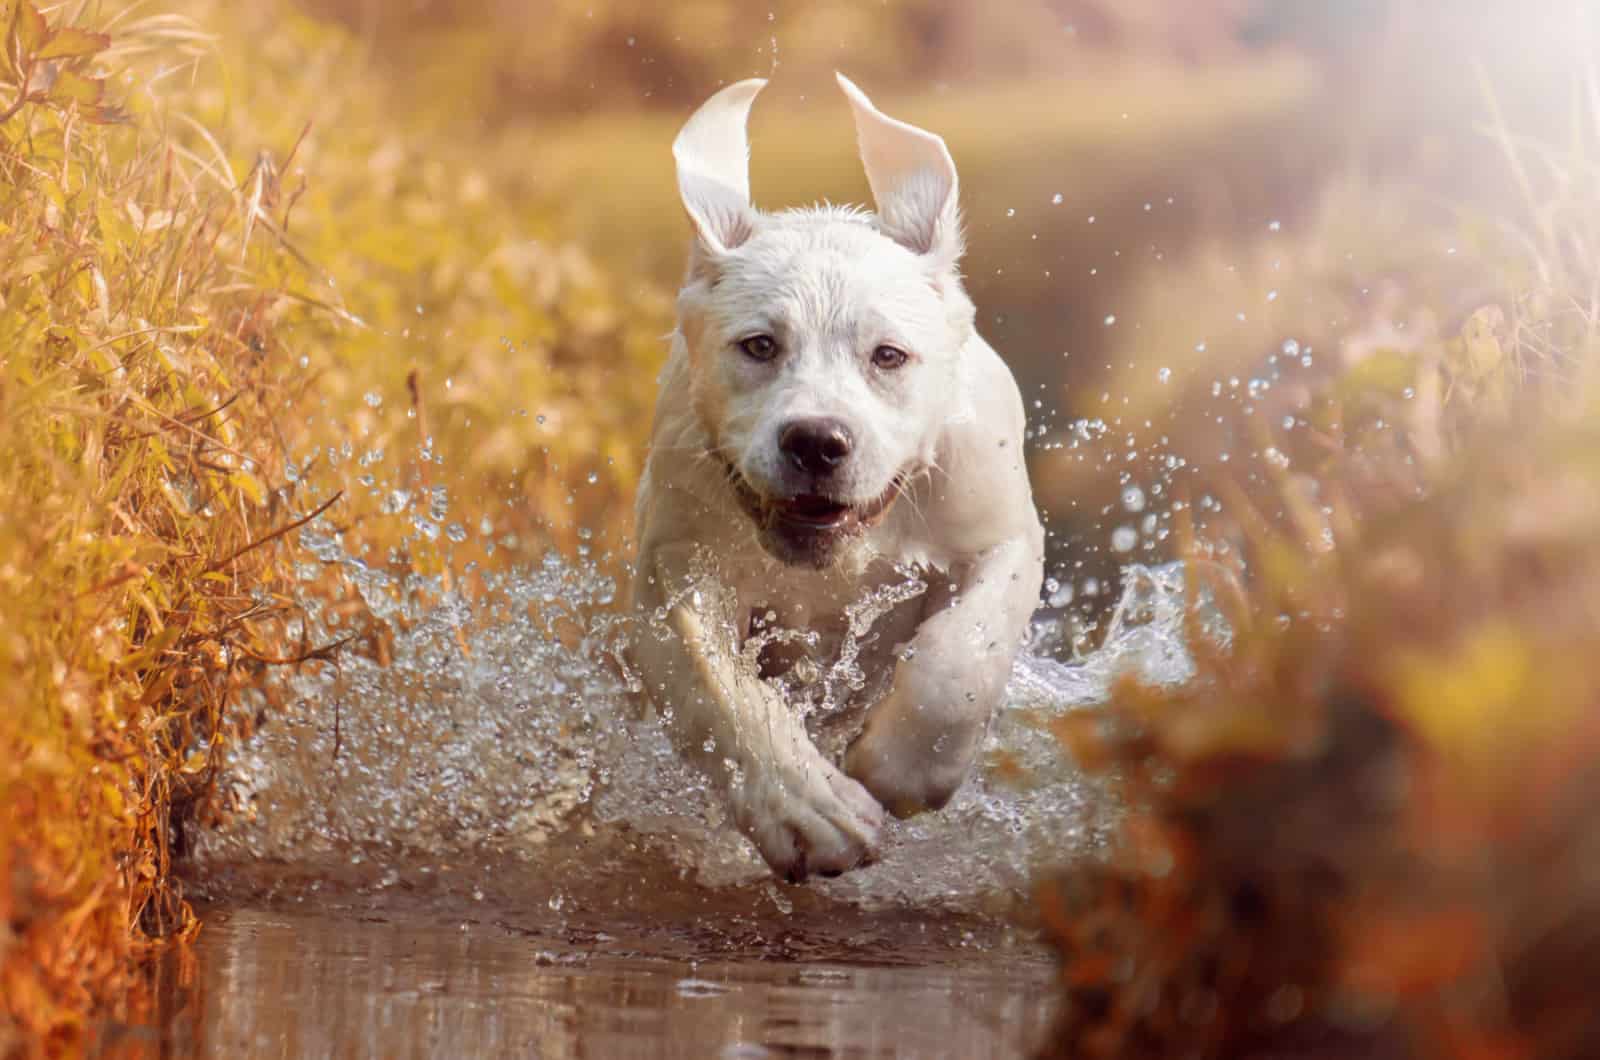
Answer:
(832, 284)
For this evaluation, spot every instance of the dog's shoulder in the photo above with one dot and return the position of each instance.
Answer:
(981, 491)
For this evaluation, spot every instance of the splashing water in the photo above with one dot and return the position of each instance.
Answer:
(500, 724)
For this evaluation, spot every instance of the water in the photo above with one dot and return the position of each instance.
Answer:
(295, 984)
(502, 723)
(475, 843)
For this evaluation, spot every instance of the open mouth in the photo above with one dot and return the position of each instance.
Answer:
(811, 510)
(812, 513)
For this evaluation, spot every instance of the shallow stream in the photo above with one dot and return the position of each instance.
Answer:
(479, 846)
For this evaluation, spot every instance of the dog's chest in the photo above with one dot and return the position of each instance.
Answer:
(831, 642)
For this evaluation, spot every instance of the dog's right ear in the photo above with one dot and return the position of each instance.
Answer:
(713, 156)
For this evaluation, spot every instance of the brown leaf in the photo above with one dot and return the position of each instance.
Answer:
(73, 87)
(73, 43)
(28, 31)
(108, 114)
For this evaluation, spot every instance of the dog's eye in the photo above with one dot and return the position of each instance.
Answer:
(760, 347)
(889, 357)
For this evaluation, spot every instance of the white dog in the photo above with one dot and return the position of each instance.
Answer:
(836, 469)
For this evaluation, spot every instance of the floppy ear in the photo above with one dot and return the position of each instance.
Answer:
(713, 157)
(913, 179)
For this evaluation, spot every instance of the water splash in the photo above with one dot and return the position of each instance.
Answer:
(501, 723)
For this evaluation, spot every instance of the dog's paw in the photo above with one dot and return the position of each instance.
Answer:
(807, 818)
(911, 767)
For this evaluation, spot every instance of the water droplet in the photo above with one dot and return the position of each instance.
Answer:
(1111, 318)
(1124, 538)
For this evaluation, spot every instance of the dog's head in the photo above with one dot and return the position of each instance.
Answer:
(823, 343)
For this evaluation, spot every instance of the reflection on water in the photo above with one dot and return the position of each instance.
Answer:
(286, 983)
(479, 847)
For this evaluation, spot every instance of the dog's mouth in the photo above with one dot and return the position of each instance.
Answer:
(812, 513)
(812, 510)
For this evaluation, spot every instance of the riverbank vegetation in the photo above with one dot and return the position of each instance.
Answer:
(1365, 828)
(227, 284)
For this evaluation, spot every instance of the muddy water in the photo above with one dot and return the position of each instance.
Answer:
(598, 945)
(481, 848)
(402, 982)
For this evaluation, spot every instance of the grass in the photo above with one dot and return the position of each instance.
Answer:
(126, 565)
(221, 296)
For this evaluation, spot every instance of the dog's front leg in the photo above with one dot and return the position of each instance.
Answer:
(919, 742)
(801, 811)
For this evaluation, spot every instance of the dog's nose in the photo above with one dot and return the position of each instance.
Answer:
(816, 447)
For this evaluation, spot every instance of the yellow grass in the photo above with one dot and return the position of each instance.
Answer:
(225, 276)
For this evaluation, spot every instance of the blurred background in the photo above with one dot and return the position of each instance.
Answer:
(1162, 198)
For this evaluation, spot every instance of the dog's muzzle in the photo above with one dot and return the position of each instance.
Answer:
(808, 529)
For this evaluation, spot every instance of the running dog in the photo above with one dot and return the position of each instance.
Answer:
(831, 429)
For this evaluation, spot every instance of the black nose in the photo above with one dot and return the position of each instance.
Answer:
(816, 447)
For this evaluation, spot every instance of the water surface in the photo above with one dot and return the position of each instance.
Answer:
(480, 847)
(393, 979)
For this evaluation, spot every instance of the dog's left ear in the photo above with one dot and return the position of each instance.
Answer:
(913, 180)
